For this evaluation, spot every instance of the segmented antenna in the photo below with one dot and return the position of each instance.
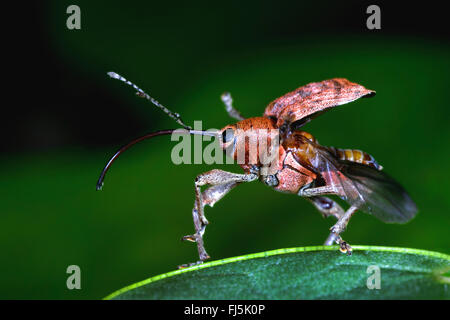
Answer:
(148, 136)
(175, 116)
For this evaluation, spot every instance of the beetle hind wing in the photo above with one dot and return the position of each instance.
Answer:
(383, 196)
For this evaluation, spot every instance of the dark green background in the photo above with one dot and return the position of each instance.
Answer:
(73, 117)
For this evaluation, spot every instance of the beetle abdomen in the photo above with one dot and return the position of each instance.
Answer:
(354, 155)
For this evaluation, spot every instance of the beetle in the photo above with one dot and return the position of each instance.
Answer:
(302, 166)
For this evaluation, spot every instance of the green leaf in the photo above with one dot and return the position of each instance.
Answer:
(305, 273)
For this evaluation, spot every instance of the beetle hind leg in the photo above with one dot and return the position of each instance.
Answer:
(327, 207)
(340, 227)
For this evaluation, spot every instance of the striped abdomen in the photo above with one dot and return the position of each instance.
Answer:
(357, 156)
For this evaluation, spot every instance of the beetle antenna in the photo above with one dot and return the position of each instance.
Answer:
(147, 136)
(175, 116)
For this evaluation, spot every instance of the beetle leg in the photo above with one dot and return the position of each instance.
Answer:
(343, 218)
(327, 207)
(214, 178)
(232, 112)
(213, 194)
(221, 183)
(319, 191)
(210, 196)
(338, 228)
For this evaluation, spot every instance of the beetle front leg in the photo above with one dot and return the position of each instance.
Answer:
(208, 197)
(214, 178)
(221, 183)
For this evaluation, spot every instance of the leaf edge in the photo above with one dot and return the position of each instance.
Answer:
(268, 253)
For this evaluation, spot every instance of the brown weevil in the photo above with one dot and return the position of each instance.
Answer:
(302, 166)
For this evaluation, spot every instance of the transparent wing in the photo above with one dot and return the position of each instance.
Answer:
(383, 196)
(373, 191)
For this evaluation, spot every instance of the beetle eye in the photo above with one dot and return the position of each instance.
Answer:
(227, 135)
